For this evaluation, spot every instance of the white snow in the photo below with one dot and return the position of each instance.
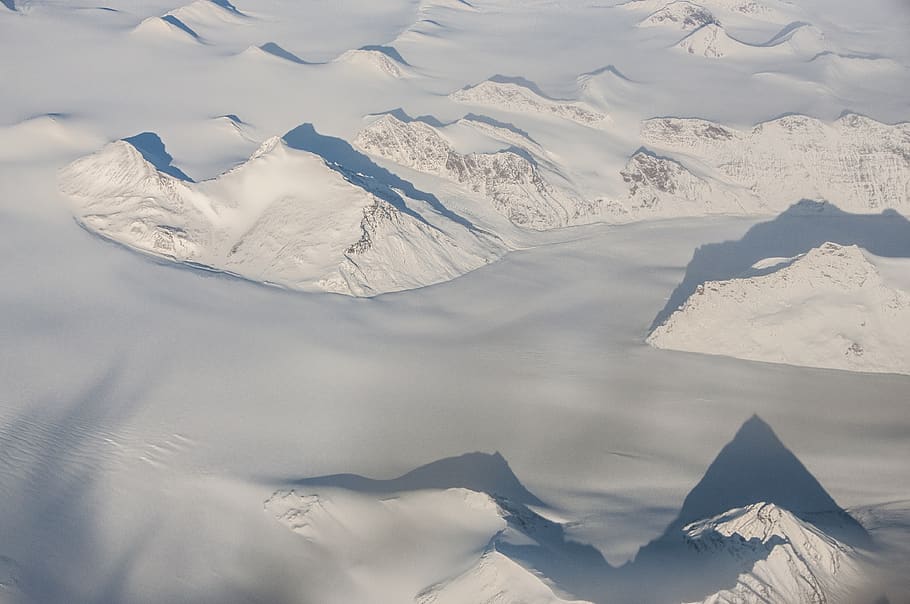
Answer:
(283, 217)
(827, 308)
(151, 406)
(802, 564)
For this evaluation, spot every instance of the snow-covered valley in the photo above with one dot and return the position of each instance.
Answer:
(535, 211)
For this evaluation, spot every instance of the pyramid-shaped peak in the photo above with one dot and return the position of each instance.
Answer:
(756, 466)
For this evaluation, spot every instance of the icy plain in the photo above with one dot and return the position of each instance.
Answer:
(564, 176)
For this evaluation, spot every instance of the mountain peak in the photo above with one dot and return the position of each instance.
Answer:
(756, 466)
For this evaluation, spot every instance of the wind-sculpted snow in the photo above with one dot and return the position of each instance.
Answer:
(513, 95)
(794, 41)
(283, 217)
(512, 183)
(495, 579)
(798, 564)
(757, 552)
(857, 162)
(828, 308)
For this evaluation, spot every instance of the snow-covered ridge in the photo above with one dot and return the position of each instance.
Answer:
(494, 579)
(660, 187)
(740, 8)
(511, 182)
(380, 60)
(506, 94)
(827, 308)
(680, 14)
(283, 217)
(166, 29)
(712, 40)
(725, 552)
(797, 562)
(855, 161)
(208, 13)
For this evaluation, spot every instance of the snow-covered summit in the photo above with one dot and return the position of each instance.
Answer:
(494, 579)
(857, 162)
(796, 40)
(517, 95)
(166, 29)
(796, 562)
(827, 308)
(377, 60)
(512, 183)
(283, 217)
(680, 14)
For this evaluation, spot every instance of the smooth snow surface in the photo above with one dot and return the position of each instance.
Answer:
(514, 198)
(829, 307)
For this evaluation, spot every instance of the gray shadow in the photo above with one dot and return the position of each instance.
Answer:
(152, 148)
(360, 170)
(803, 226)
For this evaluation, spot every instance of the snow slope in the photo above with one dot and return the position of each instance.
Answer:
(758, 528)
(798, 562)
(512, 183)
(147, 411)
(680, 14)
(827, 308)
(856, 162)
(516, 96)
(495, 579)
(283, 217)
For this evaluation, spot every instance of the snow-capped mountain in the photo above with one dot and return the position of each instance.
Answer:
(467, 533)
(791, 545)
(796, 562)
(749, 9)
(508, 179)
(662, 187)
(518, 96)
(376, 59)
(796, 40)
(855, 161)
(828, 308)
(758, 528)
(284, 217)
(494, 579)
(681, 14)
(712, 41)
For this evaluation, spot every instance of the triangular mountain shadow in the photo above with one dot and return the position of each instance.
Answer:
(756, 466)
(752, 468)
(151, 147)
(803, 226)
(364, 172)
(576, 568)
